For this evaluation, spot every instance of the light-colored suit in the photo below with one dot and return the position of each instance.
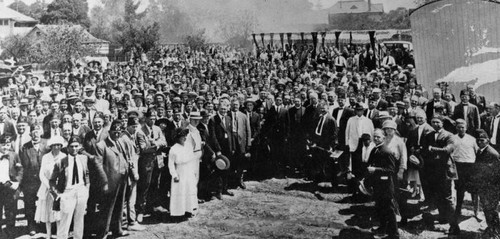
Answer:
(357, 126)
(244, 131)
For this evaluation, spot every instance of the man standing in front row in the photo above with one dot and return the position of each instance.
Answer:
(438, 172)
(113, 171)
(486, 178)
(382, 170)
(70, 180)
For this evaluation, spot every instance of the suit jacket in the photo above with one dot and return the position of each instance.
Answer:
(294, 122)
(82, 131)
(58, 179)
(472, 118)
(412, 145)
(255, 119)
(328, 137)
(385, 169)
(19, 142)
(382, 105)
(156, 135)
(352, 135)
(438, 161)
(9, 128)
(479, 101)
(89, 115)
(374, 115)
(111, 162)
(131, 144)
(429, 109)
(169, 132)
(31, 160)
(309, 118)
(91, 139)
(16, 169)
(220, 133)
(205, 137)
(243, 130)
(342, 122)
(486, 170)
(47, 133)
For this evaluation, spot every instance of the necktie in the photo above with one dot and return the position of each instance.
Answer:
(235, 127)
(319, 128)
(20, 143)
(75, 172)
(369, 114)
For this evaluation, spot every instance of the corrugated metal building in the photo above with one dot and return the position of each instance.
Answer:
(458, 41)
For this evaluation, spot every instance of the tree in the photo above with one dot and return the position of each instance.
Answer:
(21, 7)
(71, 11)
(17, 46)
(135, 33)
(196, 41)
(237, 29)
(37, 9)
(63, 44)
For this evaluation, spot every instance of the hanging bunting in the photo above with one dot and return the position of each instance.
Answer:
(281, 39)
(337, 36)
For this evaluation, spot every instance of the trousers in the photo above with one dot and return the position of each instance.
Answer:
(73, 205)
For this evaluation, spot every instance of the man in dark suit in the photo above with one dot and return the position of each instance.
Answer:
(220, 131)
(114, 168)
(323, 139)
(485, 178)
(438, 172)
(206, 185)
(416, 137)
(31, 158)
(370, 61)
(11, 174)
(295, 133)
(254, 117)
(477, 100)
(372, 112)
(437, 99)
(91, 139)
(54, 127)
(79, 129)
(380, 103)
(382, 175)
(271, 135)
(493, 128)
(468, 112)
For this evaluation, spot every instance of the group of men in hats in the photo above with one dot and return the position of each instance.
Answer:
(247, 116)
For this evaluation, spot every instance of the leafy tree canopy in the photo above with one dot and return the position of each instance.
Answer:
(72, 11)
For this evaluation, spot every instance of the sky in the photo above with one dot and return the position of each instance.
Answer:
(388, 4)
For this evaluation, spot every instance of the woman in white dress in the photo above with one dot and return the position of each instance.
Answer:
(183, 193)
(44, 212)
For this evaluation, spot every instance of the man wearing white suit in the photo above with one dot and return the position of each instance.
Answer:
(70, 182)
(356, 127)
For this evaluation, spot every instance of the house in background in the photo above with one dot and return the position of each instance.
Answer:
(356, 7)
(101, 46)
(13, 22)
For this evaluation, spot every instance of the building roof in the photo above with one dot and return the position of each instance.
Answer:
(355, 6)
(89, 37)
(8, 13)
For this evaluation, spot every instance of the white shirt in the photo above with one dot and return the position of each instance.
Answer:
(365, 152)
(464, 149)
(339, 114)
(495, 130)
(420, 131)
(69, 178)
(466, 109)
(4, 171)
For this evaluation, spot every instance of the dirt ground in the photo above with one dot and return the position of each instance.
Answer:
(286, 208)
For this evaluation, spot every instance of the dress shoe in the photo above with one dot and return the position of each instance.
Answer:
(121, 234)
(242, 185)
(228, 193)
(201, 201)
(160, 209)
(136, 227)
(454, 230)
(218, 196)
(32, 233)
(140, 217)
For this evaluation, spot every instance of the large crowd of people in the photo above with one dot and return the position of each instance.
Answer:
(101, 146)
